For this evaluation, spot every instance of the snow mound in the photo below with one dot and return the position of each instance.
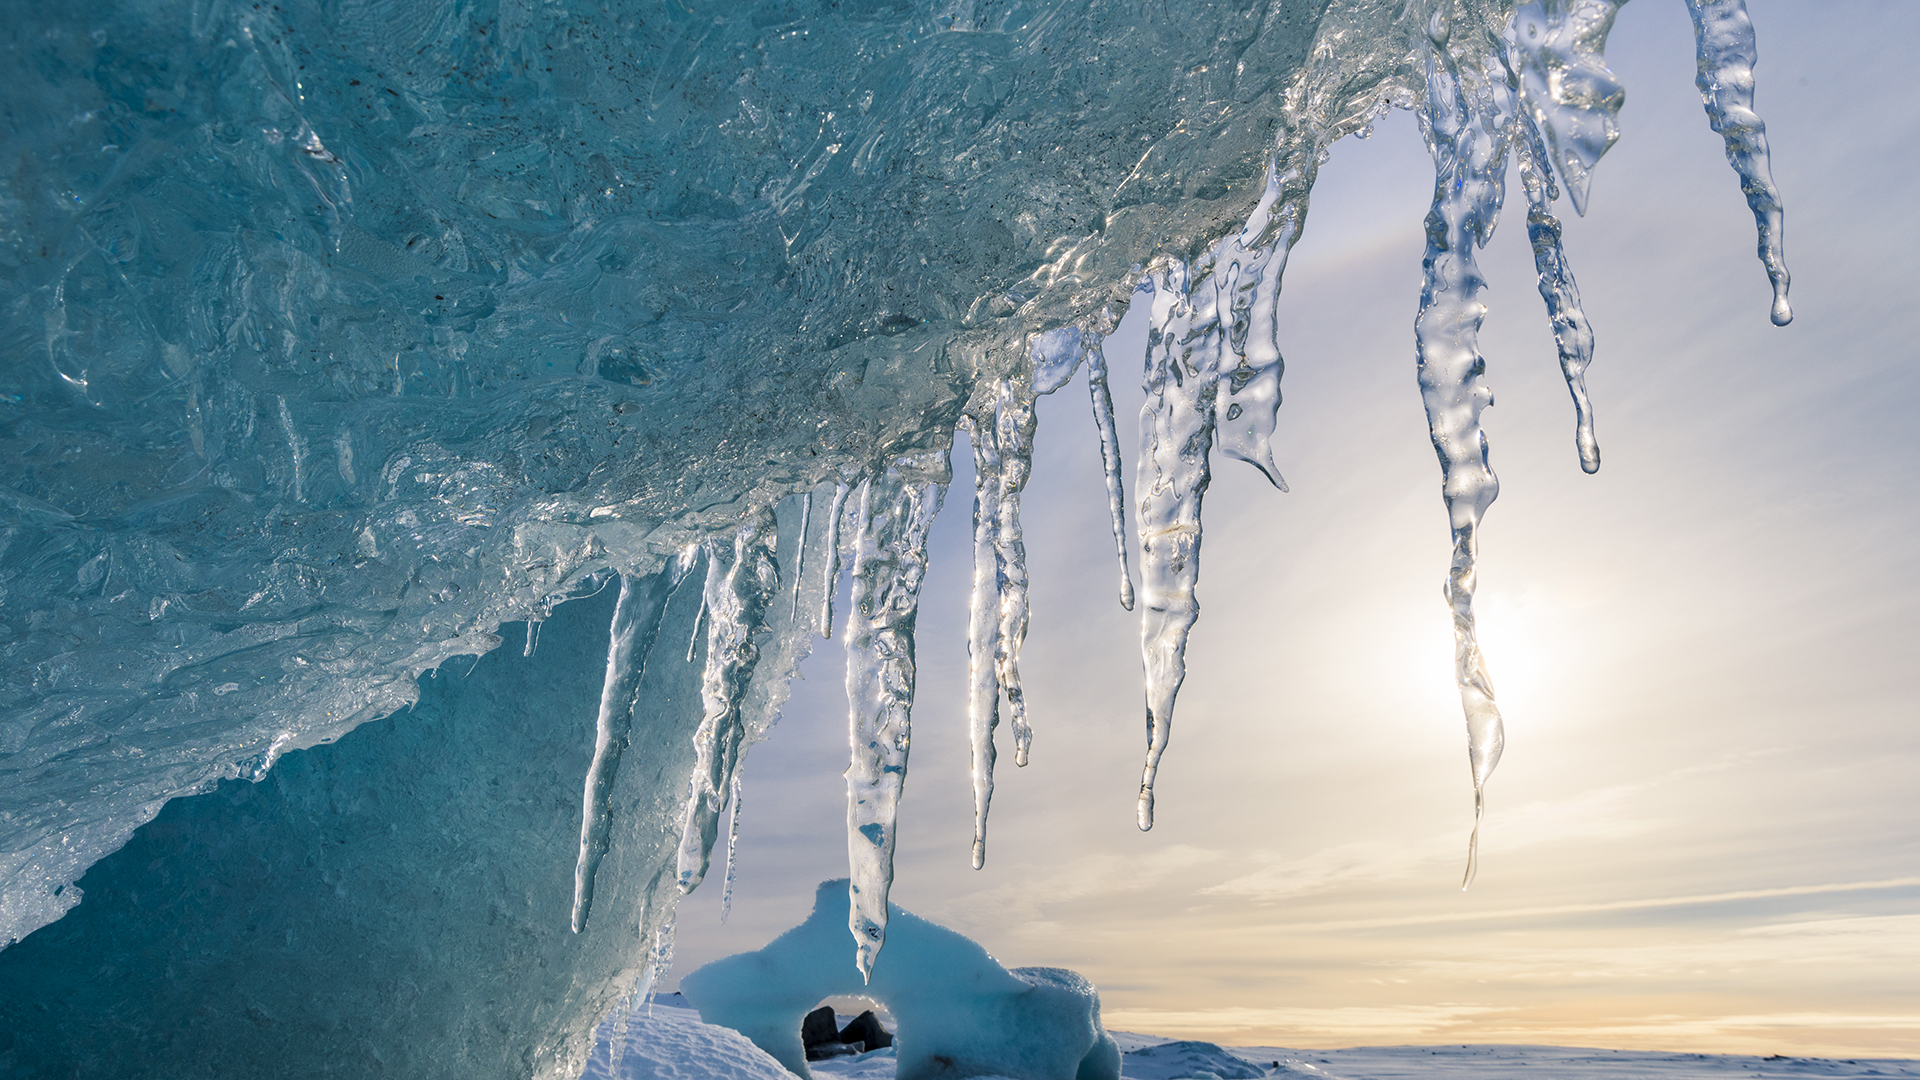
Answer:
(959, 1013)
(1186, 1060)
(669, 1043)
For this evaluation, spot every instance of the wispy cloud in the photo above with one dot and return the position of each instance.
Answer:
(1433, 918)
(1606, 813)
(1399, 1022)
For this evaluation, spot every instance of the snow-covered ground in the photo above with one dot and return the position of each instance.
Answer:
(670, 1043)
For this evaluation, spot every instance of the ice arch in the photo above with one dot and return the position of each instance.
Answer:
(959, 1012)
(339, 335)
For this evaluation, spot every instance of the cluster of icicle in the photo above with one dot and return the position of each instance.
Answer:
(1535, 86)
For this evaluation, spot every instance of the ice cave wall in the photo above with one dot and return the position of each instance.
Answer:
(338, 334)
(392, 904)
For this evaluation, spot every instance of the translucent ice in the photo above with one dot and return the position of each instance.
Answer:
(742, 579)
(1467, 124)
(341, 334)
(959, 1013)
(1212, 373)
(1723, 36)
(636, 623)
(896, 510)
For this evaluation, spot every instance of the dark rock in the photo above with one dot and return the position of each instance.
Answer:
(820, 1026)
(866, 1028)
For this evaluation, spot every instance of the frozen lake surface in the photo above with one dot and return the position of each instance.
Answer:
(672, 1044)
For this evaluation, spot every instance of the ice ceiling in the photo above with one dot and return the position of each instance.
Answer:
(338, 334)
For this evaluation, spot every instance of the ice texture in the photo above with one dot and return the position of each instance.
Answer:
(958, 1012)
(896, 512)
(372, 333)
(393, 904)
(1566, 88)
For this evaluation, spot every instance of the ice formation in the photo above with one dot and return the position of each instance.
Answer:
(339, 335)
(959, 1013)
(669, 1042)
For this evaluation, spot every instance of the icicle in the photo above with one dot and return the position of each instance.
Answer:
(622, 1020)
(1014, 421)
(1110, 460)
(659, 964)
(1571, 334)
(896, 511)
(800, 554)
(1565, 85)
(1723, 37)
(636, 622)
(741, 579)
(1465, 123)
(733, 845)
(997, 621)
(834, 512)
(983, 633)
(533, 637)
(782, 640)
(700, 615)
(1212, 373)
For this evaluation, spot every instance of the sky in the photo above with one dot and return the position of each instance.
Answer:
(1705, 832)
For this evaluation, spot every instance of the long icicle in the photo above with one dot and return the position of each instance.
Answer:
(1013, 431)
(735, 792)
(1572, 336)
(1465, 124)
(997, 619)
(896, 511)
(741, 581)
(983, 630)
(835, 510)
(1110, 461)
(800, 556)
(1724, 44)
(636, 623)
(1568, 117)
(1212, 374)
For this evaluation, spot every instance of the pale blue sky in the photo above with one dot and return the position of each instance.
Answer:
(1705, 653)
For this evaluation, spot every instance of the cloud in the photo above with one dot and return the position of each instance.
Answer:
(1603, 814)
(1398, 1022)
(1437, 917)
